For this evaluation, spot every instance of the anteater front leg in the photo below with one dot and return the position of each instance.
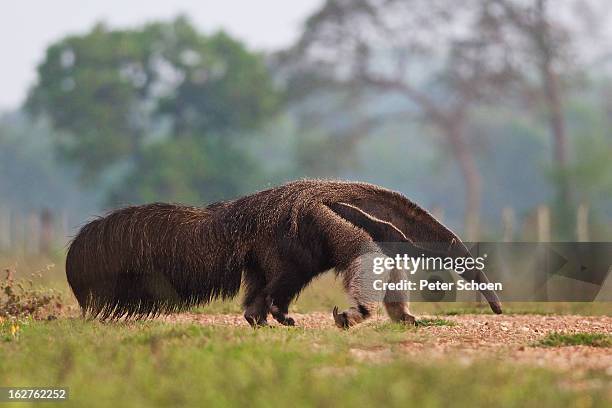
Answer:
(364, 301)
(396, 303)
(349, 247)
(363, 305)
(283, 290)
(398, 312)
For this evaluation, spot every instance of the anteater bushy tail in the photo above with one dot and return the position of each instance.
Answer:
(146, 260)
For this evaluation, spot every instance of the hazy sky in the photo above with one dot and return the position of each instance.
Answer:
(27, 27)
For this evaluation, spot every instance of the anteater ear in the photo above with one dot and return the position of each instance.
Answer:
(379, 230)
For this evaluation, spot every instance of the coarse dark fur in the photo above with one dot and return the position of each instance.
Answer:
(159, 258)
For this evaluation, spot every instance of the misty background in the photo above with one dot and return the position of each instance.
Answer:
(496, 116)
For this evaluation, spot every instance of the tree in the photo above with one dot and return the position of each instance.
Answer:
(548, 46)
(30, 177)
(123, 97)
(191, 169)
(427, 52)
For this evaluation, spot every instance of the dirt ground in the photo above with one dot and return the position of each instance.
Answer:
(503, 337)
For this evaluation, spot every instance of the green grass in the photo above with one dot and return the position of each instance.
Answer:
(576, 339)
(159, 364)
(434, 322)
(401, 327)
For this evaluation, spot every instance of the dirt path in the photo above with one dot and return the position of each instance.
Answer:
(474, 336)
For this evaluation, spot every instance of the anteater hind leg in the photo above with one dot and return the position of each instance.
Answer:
(256, 304)
(398, 312)
(282, 291)
(396, 303)
(279, 310)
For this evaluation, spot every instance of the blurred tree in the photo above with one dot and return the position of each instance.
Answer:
(427, 53)
(30, 177)
(190, 169)
(122, 98)
(549, 46)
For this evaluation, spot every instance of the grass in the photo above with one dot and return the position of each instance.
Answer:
(434, 322)
(152, 363)
(401, 327)
(576, 339)
(158, 364)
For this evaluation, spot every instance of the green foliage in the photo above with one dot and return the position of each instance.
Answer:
(224, 86)
(88, 87)
(123, 98)
(190, 170)
(576, 339)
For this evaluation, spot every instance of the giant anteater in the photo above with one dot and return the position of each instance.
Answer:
(158, 258)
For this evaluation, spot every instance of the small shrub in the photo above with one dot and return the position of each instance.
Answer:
(19, 298)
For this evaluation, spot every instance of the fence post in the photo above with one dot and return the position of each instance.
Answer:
(582, 223)
(32, 234)
(64, 227)
(5, 229)
(46, 231)
(543, 223)
(507, 224)
(16, 232)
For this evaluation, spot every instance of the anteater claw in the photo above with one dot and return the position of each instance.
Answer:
(408, 319)
(255, 323)
(340, 319)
